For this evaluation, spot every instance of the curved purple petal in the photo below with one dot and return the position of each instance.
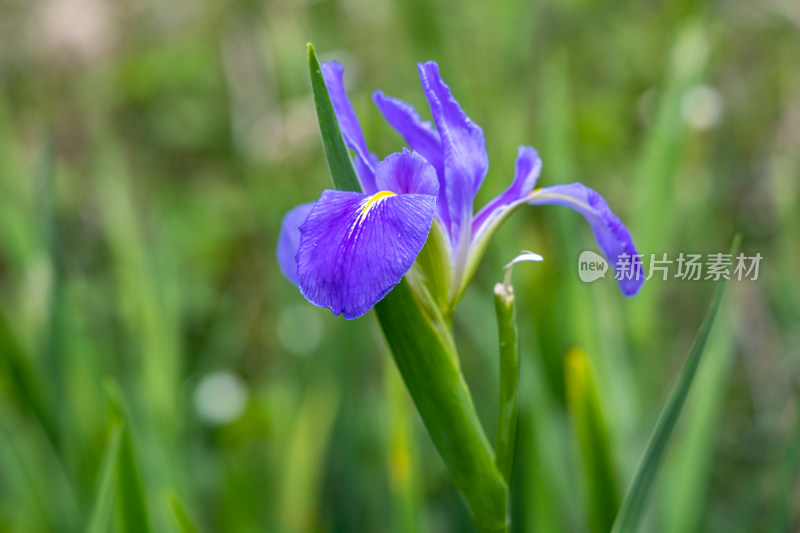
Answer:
(463, 148)
(354, 248)
(332, 72)
(289, 240)
(420, 136)
(610, 233)
(406, 173)
(528, 167)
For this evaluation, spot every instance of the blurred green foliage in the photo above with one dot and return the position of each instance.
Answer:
(149, 346)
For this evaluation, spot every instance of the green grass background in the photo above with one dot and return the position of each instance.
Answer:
(148, 151)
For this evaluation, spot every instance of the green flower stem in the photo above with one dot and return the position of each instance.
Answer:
(509, 378)
(445, 405)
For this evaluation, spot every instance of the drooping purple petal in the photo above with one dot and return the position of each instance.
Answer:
(464, 151)
(528, 167)
(332, 72)
(406, 173)
(421, 137)
(354, 248)
(610, 233)
(289, 240)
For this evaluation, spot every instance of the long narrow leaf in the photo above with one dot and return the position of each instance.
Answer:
(131, 498)
(586, 415)
(304, 457)
(543, 463)
(103, 508)
(404, 492)
(688, 477)
(662, 150)
(653, 191)
(344, 175)
(182, 519)
(19, 377)
(42, 493)
(634, 504)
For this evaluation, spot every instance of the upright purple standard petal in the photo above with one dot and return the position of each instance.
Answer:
(406, 173)
(464, 152)
(354, 248)
(289, 240)
(528, 167)
(332, 72)
(421, 137)
(610, 233)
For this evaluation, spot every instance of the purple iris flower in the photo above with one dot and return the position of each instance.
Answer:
(347, 250)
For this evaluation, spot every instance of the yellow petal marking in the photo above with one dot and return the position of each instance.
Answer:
(373, 200)
(538, 193)
(369, 204)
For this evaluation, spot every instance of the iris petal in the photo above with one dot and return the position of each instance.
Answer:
(354, 248)
(528, 167)
(405, 173)
(420, 136)
(610, 233)
(463, 147)
(289, 240)
(332, 72)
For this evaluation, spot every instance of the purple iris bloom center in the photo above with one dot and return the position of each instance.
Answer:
(347, 250)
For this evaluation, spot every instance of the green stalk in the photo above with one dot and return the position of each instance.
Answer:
(509, 378)
(445, 405)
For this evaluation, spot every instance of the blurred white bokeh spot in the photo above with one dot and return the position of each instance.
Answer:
(702, 107)
(80, 29)
(299, 329)
(220, 398)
